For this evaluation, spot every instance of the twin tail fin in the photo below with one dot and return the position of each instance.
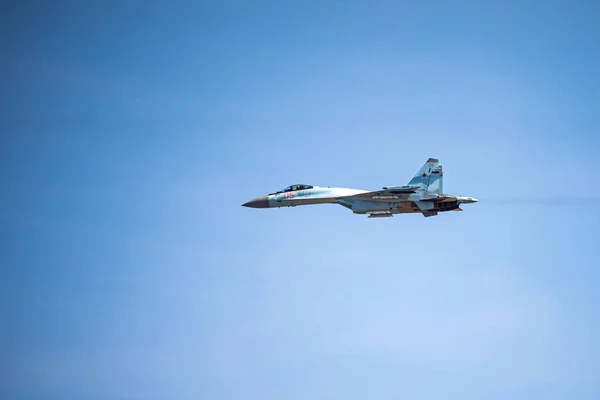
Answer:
(430, 177)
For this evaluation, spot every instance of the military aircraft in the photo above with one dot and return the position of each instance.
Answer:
(423, 194)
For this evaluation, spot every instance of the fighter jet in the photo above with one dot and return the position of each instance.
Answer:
(423, 194)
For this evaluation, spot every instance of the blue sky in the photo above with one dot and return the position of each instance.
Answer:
(133, 131)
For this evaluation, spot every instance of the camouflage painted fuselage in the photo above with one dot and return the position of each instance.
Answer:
(395, 204)
(423, 194)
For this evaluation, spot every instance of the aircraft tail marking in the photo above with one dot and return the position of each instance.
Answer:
(430, 177)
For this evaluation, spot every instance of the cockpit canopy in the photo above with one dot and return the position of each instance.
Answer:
(293, 188)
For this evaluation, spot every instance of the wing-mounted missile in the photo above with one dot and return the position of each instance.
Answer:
(380, 214)
(401, 189)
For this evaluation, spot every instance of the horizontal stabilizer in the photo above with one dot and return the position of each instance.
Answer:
(429, 198)
(425, 205)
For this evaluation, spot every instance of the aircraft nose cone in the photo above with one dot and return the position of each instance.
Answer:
(259, 202)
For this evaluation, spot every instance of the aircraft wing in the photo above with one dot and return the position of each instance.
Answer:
(387, 194)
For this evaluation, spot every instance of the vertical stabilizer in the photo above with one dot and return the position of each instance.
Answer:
(436, 181)
(430, 177)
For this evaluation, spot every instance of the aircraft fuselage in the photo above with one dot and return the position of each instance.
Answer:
(396, 204)
(423, 194)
